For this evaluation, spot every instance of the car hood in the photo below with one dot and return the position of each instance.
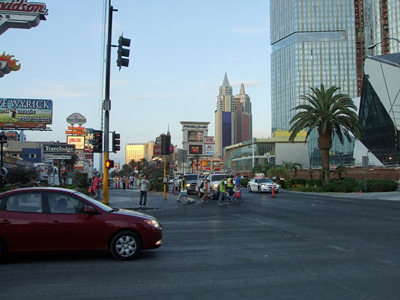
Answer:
(128, 212)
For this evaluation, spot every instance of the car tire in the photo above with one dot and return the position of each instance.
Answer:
(249, 188)
(3, 249)
(125, 245)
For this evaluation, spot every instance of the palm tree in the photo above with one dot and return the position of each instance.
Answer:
(296, 167)
(332, 114)
(340, 170)
(278, 172)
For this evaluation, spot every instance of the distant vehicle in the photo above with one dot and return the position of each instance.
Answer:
(191, 182)
(262, 185)
(214, 181)
(46, 219)
(42, 172)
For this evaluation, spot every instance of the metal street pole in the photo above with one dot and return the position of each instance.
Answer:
(165, 177)
(107, 108)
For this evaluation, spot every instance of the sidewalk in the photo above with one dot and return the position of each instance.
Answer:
(388, 196)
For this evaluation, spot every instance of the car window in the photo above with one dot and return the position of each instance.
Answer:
(191, 177)
(218, 177)
(266, 180)
(24, 202)
(65, 204)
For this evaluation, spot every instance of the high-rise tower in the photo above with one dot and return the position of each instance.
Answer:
(225, 118)
(244, 121)
(313, 42)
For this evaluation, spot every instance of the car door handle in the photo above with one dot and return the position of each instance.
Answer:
(5, 222)
(55, 222)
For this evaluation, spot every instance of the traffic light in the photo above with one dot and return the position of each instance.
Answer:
(165, 144)
(97, 141)
(123, 53)
(109, 164)
(116, 142)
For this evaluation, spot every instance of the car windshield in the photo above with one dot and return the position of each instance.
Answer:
(191, 177)
(265, 180)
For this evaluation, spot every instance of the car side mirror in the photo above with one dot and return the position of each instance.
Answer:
(89, 210)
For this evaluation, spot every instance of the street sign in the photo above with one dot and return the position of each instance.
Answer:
(51, 157)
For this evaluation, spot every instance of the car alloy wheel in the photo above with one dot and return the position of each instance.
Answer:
(126, 245)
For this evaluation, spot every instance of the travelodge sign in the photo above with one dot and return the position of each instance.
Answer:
(21, 14)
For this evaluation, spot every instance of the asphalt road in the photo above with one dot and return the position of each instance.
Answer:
(293, 246)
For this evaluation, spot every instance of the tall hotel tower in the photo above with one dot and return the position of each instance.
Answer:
(225, 118)
(313, 42)
(244, 119)
(233, 118)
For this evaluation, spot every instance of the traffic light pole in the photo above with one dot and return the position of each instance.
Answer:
(107, 108)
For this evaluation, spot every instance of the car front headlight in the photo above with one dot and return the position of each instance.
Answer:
(187, 184)
(153, 223)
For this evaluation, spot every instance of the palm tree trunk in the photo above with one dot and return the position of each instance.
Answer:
(325, 165)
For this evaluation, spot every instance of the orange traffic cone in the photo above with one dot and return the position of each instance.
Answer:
(273, 192)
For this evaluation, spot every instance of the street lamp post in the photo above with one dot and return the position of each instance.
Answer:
(370, 47)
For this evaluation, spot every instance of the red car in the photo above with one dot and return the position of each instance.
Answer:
(56, 219)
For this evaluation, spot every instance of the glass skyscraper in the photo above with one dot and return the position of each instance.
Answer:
(325, 41)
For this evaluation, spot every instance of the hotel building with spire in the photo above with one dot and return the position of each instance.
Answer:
(233, 118)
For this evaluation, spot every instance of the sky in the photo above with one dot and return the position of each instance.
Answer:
(179, 53)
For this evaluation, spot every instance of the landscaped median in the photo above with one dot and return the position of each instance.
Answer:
(345, 185)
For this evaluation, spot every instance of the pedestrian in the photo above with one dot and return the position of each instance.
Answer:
(237, 181)
(229, 185)
(183, 190)
(96, 187)
(144, 186)
(123, 183)
(222, 191)
(204, 199)
(131, 181)
(127, 182)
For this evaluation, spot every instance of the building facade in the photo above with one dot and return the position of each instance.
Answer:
(225, 118)
(244, 121)
(326, 42)
(233, 118)
(135, 151)
(378, 112)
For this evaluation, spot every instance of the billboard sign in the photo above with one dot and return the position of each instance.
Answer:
(25, 113)
(157, 150)
(209, 140)
(76, 118)
(195, 136)
(78, 141)
(58, 149)
(21, 14)
(196, 149)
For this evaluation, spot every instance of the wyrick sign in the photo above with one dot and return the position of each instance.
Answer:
(21, 14)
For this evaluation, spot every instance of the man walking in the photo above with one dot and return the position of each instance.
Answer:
(204, 199)
(96, 186)
(222, 191)
(144, 186)
(183, 191)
